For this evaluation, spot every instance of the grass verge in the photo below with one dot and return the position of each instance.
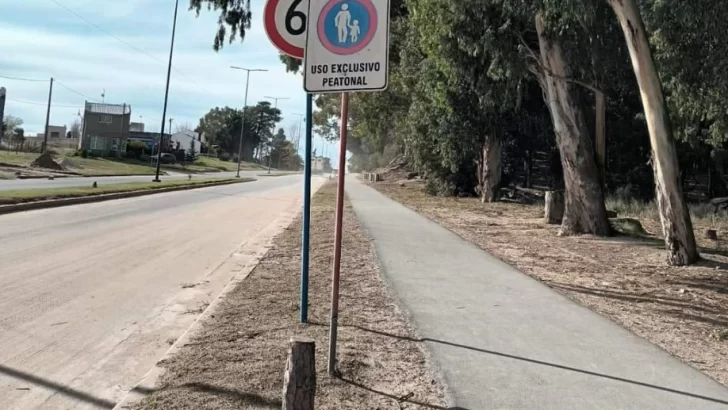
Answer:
(33, 195)
(237, 359)
(683, 310)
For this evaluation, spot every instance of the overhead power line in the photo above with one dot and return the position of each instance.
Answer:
(76, 92)
(119, 39)
(43, 104)
(23, 79)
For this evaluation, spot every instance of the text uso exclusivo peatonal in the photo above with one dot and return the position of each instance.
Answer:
(346, 74)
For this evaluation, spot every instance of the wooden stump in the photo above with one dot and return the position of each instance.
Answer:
(554, 209)
(299, 381)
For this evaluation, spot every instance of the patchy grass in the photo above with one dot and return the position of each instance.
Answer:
(238, 358)
(32, 195)
(683, 310)
(83, 166)
(220, 165)
(104, 166)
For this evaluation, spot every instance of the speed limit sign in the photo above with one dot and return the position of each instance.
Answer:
(285, 24)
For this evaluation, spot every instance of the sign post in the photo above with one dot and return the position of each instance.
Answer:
(347, 50)
(285, 23)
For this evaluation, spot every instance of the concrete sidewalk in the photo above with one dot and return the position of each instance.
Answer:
(505, 341)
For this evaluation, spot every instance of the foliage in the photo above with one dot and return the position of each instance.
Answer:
(191, 154)
(10, 124)
(221, 127)
(233, 21)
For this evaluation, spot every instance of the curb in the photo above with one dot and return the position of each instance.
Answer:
(55, 203)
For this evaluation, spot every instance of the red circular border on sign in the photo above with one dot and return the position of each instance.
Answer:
(364, 42)
(269, 21)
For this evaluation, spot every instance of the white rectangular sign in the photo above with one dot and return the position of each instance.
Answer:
(347, 46)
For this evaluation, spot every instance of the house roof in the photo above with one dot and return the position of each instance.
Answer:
(115, 109)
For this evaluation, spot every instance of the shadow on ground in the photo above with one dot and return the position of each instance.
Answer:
(543, 363)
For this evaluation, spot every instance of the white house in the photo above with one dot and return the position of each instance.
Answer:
(184, 138)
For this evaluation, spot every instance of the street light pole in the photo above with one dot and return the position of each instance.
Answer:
(166, 94)
(245, 106)
(48, 118)
(274, 125)
(298, 137)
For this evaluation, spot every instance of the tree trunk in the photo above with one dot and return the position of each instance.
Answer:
(554, 207)
(489, 174)
(674, 215)
(299, 380)
(600, 136)
(528, 169)
(584, 210)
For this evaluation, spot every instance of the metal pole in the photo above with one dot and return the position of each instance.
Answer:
(3, 93)
(242, 123)
(272, 133)
(245, 106)
(48, 118)
(306, 210)
(337, 236)
(166, 93)
(274, 126)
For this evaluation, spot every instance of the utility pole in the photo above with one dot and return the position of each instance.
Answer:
(48, 118)
(245, 107)
(3, 92)
(275, 106)
(166, 93)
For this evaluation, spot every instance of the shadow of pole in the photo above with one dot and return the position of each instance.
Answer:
(399, 400)
(57, 387)
(543, 363)
(248, 398)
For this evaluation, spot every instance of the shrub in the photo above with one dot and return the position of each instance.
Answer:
(224, 156)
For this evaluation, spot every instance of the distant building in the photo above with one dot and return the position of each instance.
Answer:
(105, 129)
(55, 131)
(184, 138)
(150, 139)
(136, 127)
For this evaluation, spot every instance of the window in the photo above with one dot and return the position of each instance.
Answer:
(105, 119)
(55, 134)
(97, 143)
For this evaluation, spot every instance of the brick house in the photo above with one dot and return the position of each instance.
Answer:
(105, 129)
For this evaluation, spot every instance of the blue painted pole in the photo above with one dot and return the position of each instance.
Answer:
(306, 209)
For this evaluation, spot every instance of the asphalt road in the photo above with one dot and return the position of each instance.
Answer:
(91, 296)
(13, 184)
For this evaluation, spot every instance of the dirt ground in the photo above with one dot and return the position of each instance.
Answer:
(238, 359)
(683, 310)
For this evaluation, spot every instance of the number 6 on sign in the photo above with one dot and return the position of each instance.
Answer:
(285, 24)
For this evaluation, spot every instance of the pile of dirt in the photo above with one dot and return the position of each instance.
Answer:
(45, 160)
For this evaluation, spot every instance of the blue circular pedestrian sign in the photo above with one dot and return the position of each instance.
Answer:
(347, 26)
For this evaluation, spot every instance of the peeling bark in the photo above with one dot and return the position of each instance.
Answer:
(584, 210)
(489, 169)
(674, 215)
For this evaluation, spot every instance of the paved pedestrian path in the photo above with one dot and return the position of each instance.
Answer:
(505, 341)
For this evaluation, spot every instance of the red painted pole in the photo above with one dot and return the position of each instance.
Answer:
(337, 235)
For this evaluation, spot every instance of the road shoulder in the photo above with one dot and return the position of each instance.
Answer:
(237, 357)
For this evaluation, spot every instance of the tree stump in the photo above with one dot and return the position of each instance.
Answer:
(554, 209)
(299, 380)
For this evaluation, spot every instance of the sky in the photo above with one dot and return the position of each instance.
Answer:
(46, 40)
